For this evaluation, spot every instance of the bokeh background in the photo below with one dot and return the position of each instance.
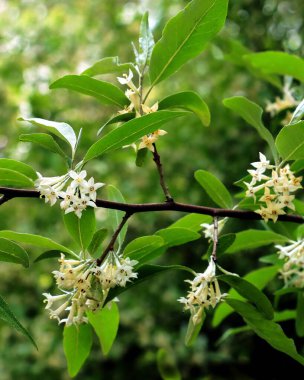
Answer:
(41, 41)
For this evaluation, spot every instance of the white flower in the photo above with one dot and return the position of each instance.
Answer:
(150, 139)
(146, 109)
(208, 228)
(78, 179)
(263, 164)
(51, 299)
(126, 79)
(92, 187)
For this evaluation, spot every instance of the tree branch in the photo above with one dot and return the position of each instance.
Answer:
(156, 159)
(110, 246)
(133, 208)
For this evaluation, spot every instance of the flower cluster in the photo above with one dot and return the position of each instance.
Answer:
(293, 268)
(280, 104)
(273, 190)
(85, 286)
(133, 94)
(78, 193)
(204, 292)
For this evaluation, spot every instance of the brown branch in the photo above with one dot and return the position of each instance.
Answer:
(215, 238)
(156, 159)
(133, 208)
(110, 246)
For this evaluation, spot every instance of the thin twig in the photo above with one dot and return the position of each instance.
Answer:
(110, 246)
(134, 208)
(156, 159)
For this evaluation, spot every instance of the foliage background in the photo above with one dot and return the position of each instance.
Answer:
(41, 41)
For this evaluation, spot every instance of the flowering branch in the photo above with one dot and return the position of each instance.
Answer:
(215, 238)
(110, 246)
(134, 208)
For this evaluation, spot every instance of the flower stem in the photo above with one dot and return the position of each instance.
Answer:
(156, 159)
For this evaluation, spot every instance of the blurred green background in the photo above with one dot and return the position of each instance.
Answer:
(41, 41)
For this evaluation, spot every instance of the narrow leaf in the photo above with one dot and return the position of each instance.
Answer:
(44, 140)
(141, 248)
(251, 293)
(166, 365)
(105, 323)
(96, 242)
(77, 343)
(108, 65)
(290, 142)
(214, 188)
(252, 114)
(268, 330)
(117, 119)
(81, 229)
(129, 132)
(193, 330)
(13, 253)
(177, 236)
(278, 62)
(105, 92)
(185, 36)
(250, 239)
(36, 240)
(62, 130)
(17, 166)
(189, 101)
(298, 113)
(192, 222)
(9, 317)
(14, 178)
(299, 315)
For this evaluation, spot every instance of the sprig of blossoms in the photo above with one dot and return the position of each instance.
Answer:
(75, 191)
(293, 268)
(280, 104)
(133, 94)
(84, 286)
(272, 191)
(204, 292)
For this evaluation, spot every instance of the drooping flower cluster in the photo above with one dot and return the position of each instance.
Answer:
(75, 191)
(293, 269)
(85, 286)
(272, 192)
(204, 292)
(133, 94)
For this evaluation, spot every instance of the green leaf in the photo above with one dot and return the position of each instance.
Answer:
(252, 114)
(12, 178)
(44, 140)
(214, 188)
(299, 315)
(105, 92)
(12, 253)
(115, 216)
(146, 43)
(81, 229)
(250, 239)
(272, 259)
(185, 36)
(166, 365)
(36, 240)
(145, 273)
(77, 343)
(298, 113)
(9, 317)
(141, 156)
(53, 254)
(193, 330)
(62, 130)
(189, 101)
(290, 142)
(175, 236)
(117, 119)
(192, 222)
(108, 65)
(97, 239)
(17, 166)
(268, 330)
(224, 242)
(278, 62)
(129, 132)
(251, 293)
(105, 323)
(142, 248)
(259, 277)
